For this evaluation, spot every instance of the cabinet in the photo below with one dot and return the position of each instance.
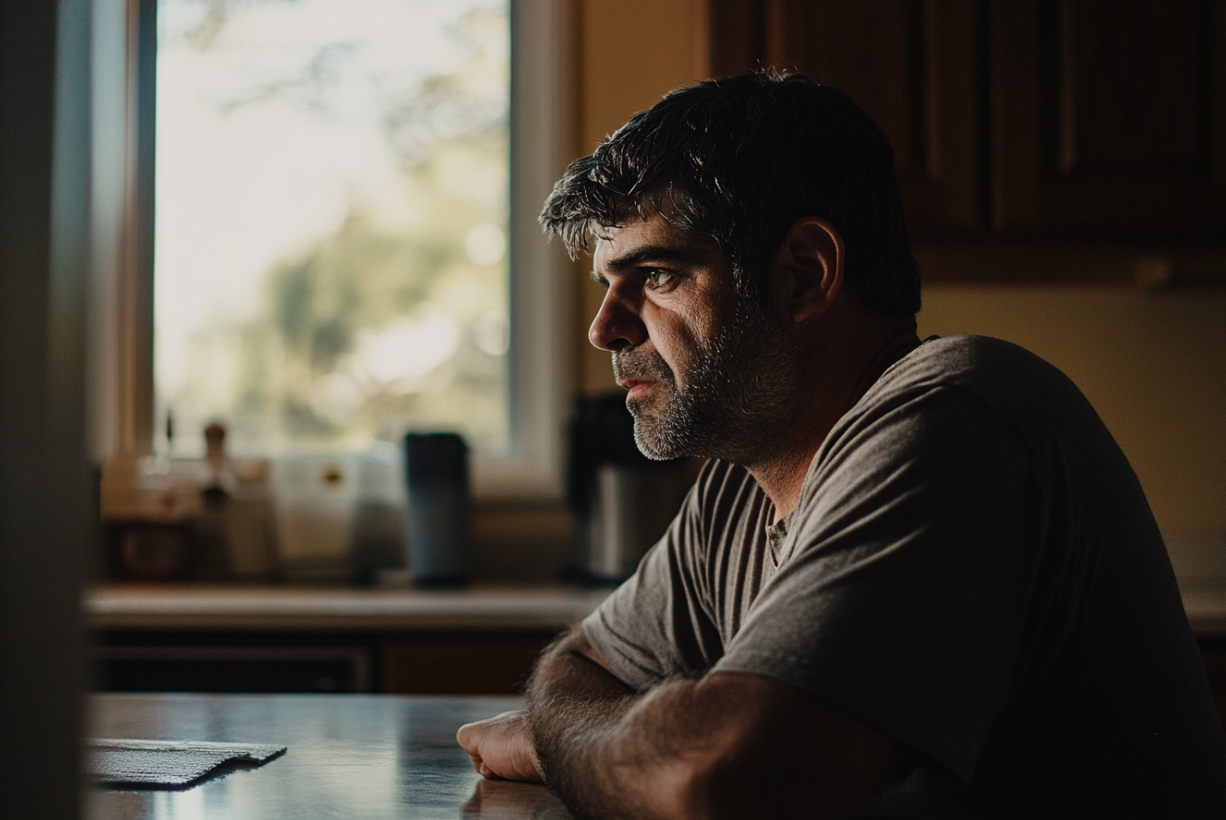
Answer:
(1109, 120)
(1050, 122)
(1214, 653)
(216, 638)
(419, 662)
(911, 65)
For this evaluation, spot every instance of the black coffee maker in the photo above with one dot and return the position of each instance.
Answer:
(624, 500)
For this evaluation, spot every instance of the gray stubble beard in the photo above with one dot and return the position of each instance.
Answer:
(741, 392)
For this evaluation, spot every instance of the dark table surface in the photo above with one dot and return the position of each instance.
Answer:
(350, 756)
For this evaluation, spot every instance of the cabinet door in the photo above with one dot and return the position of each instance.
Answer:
(911, 64)
(1109, 119)
(461, 663)
(1213, 651)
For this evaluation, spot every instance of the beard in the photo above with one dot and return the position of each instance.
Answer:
(738, 393)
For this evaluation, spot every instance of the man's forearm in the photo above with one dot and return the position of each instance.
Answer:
(600, 744)
(569, 684)
(568, 670)
(572, 699)
(727, 745)
(572, 739)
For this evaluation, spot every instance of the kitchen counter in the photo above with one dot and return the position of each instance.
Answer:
(1206, 610)
(479, 639)
(233, 638)
(480, 607)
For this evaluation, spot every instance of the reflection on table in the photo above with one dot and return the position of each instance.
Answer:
(350, 756)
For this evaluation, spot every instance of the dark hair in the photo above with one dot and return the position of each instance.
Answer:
(736, 162)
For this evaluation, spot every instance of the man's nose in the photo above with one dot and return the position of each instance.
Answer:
(617, 325)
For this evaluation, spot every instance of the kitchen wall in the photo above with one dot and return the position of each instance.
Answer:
(1152, 363)
(631, 53)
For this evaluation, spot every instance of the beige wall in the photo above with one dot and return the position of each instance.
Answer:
(631, 53)
(1153, 364)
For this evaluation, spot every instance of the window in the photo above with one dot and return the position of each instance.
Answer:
(342, 251)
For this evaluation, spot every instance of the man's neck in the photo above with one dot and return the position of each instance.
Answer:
(839, 381)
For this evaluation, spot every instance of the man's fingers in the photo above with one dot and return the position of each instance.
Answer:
(481, 766)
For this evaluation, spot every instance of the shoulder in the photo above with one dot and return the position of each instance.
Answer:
(951, 404)
(963, 405)
(1028, 395)
(980, 364)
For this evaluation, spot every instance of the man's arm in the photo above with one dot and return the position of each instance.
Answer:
(569, 670)
(724, 745)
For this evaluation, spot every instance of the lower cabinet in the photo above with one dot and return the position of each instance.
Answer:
(231, 669)
(400, 663)
(442, 662)
(461, 664)
(1214, 653)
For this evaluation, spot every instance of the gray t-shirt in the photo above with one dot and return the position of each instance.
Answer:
(973, 568)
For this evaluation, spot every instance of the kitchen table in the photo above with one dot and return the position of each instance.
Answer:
(349, 756)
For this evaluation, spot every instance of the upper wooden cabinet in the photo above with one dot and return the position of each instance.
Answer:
(1109, 119)
(911, 65)
(1032, 120)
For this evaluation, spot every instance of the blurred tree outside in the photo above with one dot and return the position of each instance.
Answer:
(395, 317)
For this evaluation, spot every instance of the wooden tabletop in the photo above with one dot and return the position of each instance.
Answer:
(358, 757)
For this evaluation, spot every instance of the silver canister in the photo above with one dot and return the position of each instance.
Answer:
(632, 506)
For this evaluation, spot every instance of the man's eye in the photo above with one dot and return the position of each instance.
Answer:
(660, 278)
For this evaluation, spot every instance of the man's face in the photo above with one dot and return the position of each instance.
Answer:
(708, 374)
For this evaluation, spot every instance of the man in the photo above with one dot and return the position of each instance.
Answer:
(915, 580)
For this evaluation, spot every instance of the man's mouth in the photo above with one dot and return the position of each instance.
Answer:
(640, 373)
(635, 388)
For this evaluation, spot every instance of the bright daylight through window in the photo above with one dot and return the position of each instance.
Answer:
(331, 252)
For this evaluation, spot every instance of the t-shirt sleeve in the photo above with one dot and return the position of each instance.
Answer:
(903, 591)
(658, 624)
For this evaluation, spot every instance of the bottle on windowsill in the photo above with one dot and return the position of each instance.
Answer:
(210, 544)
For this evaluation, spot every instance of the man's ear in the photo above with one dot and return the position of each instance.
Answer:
(809, 268)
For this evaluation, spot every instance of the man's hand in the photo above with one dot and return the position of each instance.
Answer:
(502, 747)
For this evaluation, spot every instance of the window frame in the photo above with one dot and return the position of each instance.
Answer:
(539, 362)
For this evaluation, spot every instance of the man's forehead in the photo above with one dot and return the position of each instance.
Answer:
(635, 238)
(634, 228)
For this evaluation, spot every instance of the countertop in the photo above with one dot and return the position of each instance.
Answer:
(190, 606)
(1206, 609)
(478, 607)
(359, 756)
